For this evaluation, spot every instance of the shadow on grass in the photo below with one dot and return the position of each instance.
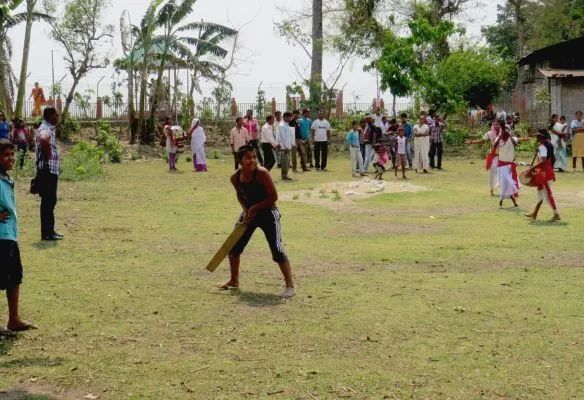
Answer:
(32, 362)
(258, 299)
(45, 244)
(21, 394)
(548, 223)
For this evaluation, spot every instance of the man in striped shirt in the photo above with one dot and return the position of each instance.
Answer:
(48, 164)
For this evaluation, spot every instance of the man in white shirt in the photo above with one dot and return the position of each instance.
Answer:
(421, 145)
(268, 142)
(378, 118)
(321, 130)
(285, 140)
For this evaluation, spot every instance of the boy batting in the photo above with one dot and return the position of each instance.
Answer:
(257, 195)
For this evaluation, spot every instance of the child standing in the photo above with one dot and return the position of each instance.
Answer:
(400, 152)
(20, 137)
(355, 151)
(380, 160)
(10, 264)
(171, 147)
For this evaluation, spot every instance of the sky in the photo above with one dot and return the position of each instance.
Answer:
(266, 58)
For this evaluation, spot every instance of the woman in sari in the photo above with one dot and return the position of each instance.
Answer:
(557, 132)
(38, 97)
(506, 166)
(198, 140)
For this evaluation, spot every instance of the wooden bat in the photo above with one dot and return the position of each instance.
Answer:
(226, 247)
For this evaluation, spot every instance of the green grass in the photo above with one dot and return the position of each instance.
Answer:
(429, 295)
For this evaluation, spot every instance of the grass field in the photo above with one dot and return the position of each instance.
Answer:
(435, 294)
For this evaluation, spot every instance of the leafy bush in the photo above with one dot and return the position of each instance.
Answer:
(68, 127)
(83, 161)
(109, 142)
(456, 135)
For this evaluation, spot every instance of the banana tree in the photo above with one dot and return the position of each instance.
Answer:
(31, 16)
(174, 45)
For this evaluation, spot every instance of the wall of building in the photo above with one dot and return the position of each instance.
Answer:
(572, 95)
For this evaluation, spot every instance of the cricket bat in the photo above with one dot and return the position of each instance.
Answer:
(226, 247)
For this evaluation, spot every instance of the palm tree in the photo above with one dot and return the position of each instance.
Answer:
(31, 16)
(173, 45)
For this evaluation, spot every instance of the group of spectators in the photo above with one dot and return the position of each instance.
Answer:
(386, 143)
(18, 134)
(284, 139)
(564, 135)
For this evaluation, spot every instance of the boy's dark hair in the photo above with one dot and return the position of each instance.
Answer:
(278, 112)
(287, 114)
(404, 115)
(6, 144)
(295, 112)
(269, 117)
(376, 146)
(243, 150)
(393, 121)
(238, 119)
(305, 110)
(49, 112)
(354, 122)
(563, 117)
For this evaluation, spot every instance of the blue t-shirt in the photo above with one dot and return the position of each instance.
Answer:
(4, 130)
(353, 138)
(408, 130)
(305, 124)
(8, 228)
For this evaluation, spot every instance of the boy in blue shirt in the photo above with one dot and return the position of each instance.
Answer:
(355, 151)
(305, 123)
(409, 135)
(10, 264)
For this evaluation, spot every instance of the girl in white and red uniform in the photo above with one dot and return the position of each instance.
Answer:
(543, 175)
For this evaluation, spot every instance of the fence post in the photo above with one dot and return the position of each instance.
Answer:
(382, 104)
(303, 99)
(51, 102)
(233, 107)
(295, 103)
(273, 105)
(339, 108)
(99, 108)
(59, 104)
(287, 101)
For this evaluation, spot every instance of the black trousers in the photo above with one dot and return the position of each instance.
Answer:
(435, 151)
(269, 159)
(320, 154)
(255, 144)
(48, 203)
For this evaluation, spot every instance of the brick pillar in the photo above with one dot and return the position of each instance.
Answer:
(295, 103)
(302, 98)
(382, 104)
(374, 105)
(51, 102)
(233, 107)
(273, 105)
(99, 108)
(59, 104)
(287, 101)
(339, 108)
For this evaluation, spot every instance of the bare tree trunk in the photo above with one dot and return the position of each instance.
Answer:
(142, 105)
(70, 96)
(30, 4)
(151, 125)
(317, 55)
(131, 108)
(5, 91)
(519, 15)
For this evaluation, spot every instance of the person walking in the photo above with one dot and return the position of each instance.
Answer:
(239, 137)
(321, 130)
(47, 164)
(435, 153)
(421, 145)
(268, 143)
(285, 140)
(253, 129)
(21, 138)
(38, 98)
(507, 168)
(198, 140)
(369, 137)
(492, 159)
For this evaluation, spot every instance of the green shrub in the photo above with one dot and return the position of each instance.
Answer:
(83, 161)
(456, 135)
(68, 127)
(109, 142)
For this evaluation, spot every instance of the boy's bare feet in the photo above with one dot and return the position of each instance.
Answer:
(20, 326)
(288, 293)
(555, 218)
(229, 285)
(532, 216)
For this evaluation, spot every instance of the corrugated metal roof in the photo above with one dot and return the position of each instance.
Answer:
(562, 73)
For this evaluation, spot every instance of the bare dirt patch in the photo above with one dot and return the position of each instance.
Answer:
(36, 390)
(342, 193)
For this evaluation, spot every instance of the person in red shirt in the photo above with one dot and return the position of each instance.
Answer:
(252, 126)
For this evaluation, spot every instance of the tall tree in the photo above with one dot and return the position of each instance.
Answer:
(172, 44)
(7, 21)
(81, 33)
(316, 55)
(31, 16)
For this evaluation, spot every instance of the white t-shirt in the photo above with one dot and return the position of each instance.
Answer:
(542, 151)
(401, 145)
(378, 120)
(320, 130)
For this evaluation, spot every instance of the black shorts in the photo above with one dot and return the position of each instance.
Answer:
(10, 265)
(269, 222)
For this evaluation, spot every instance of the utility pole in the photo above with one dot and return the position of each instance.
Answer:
(97, 89)
(53, 73)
